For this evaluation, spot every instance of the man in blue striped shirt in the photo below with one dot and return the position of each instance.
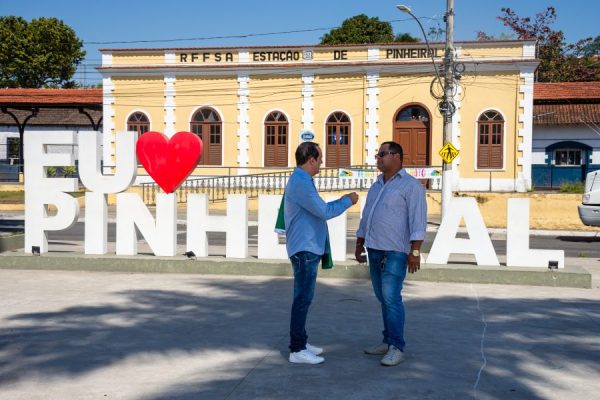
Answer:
(306, 216)
(392, 229)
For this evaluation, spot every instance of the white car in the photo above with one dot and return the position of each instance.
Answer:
(589, 209)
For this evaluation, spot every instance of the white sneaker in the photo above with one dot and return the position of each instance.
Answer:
(393, 357)
(314, 349)
(305, 357)
(378, 350)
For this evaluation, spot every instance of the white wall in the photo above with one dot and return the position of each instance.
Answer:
(12, 131)
(545, 136)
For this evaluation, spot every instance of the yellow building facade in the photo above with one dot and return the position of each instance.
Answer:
(252, 105)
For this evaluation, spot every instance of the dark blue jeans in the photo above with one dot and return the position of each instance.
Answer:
(388, 270)
(304, 264)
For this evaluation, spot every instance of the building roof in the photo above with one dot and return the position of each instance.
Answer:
(57, 107)
(50, 97)
(566, 114)
(566, 103)
(566, 91)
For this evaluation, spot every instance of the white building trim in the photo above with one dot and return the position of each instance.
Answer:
(108, 124)
(170, 104)
(107, 59)
(243, 106)
(308, 104)
(484, 184)
(526, 132)
(170, 58)
(529, 50)
(456, 121)
(244, 56)
(373, 54)
(372, 130)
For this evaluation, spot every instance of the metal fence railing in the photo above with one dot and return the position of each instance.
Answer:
(218, 187)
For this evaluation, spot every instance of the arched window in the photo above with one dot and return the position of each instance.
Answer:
(207, 124)
(276, 140)
(338, 140)
(138, 122)
(490, 140)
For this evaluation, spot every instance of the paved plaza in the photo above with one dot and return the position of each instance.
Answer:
(99, 335)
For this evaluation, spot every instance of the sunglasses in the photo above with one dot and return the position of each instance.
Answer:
(384, 153)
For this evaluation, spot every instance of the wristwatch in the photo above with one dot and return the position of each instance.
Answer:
(415, 253)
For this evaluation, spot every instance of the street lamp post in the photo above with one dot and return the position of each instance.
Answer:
(446, 106)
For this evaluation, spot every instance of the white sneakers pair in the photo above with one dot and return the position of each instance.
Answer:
(391, 355)
(310, 355)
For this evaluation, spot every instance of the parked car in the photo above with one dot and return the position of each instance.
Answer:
(589, 209)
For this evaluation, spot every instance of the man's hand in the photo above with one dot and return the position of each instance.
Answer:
(360, 250)
(414, 263)
(353, 197)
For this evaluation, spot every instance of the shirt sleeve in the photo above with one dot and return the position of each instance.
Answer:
(308, 198)
(417, 207)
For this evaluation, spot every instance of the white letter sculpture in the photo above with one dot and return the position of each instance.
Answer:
(268, 240)
(90, 150)
(479, 242)
(518, 253)
(41, 190)
(234, 224)
(161, 236)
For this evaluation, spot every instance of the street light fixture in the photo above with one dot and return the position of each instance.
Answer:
(406, 9)
(446, 106)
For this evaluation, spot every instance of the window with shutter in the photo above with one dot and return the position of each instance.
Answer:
(276, 140)
(338, 130)
(207, 124)
(490, 141)
(138, 122)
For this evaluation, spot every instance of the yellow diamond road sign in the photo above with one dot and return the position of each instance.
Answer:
(448, 153)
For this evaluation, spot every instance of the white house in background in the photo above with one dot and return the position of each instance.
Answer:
(45, 110)
(566, 132)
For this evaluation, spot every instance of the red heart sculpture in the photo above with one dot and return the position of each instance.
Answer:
(169, 161)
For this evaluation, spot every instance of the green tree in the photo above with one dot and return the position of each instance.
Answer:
(592, 48)
(559, 61)
(363, 29)
(42, 53)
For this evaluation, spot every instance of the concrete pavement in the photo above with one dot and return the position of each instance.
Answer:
(83, 335)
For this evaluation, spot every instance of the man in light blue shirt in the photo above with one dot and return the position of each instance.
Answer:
(306, 216)
(392, 229)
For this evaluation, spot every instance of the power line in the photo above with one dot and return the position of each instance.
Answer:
(240, 36)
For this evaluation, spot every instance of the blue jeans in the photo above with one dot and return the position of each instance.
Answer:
(388, 270)
(305, 265)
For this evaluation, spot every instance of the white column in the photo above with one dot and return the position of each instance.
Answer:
(526, 132)
(307, 100)
(108, 123)
(372, 115)
(243, 119)
(456, 120)
(169, 105)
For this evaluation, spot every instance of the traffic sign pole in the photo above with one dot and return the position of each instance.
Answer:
(447, 106)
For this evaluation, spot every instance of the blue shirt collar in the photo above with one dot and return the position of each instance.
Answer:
(401, 173)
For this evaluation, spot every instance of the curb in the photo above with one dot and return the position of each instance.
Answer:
(574, 276)
(12, 242)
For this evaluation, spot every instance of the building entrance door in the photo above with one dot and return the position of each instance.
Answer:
(412, 131)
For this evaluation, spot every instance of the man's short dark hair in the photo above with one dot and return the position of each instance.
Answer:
(305, 151)
(394, 148)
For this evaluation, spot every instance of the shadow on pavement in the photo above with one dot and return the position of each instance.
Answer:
(523, 338)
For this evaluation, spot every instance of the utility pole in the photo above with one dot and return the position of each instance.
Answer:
(447, 105)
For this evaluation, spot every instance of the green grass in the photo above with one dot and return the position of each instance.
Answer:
(18, 196)
(572, 187)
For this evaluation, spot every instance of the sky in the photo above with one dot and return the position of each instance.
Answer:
(158, 23)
